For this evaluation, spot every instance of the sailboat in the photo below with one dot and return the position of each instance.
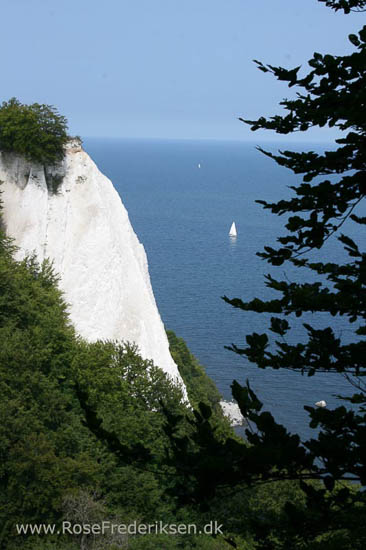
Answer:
(233, 232)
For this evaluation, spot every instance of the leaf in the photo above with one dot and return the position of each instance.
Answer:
(353, 38)
(279, 326)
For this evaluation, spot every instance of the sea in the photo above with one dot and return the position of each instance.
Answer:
(182, 197)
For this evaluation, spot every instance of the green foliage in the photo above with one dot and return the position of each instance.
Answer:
(36, 131)
(199, 386)
(43, 446)
(119, 382)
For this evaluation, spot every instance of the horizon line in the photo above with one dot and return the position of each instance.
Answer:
(236, 140)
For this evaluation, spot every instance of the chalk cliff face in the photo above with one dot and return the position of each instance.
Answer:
(85, 230)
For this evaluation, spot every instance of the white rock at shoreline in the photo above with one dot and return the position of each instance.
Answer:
(232, 412)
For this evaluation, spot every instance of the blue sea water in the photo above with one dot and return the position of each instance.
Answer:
(182, 214)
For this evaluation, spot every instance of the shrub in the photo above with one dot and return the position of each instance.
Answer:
(36, 131)
(199, 386)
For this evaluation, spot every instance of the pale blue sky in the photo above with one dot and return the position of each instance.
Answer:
(162, 68)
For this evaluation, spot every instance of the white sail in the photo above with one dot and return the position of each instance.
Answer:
(232, 231)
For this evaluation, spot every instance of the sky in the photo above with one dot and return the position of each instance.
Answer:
(165, 69)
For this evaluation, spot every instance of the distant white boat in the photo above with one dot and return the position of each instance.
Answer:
(321, 403)
(233, 232)
(198, 165)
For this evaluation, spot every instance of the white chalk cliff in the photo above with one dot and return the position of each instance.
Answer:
(85, 230)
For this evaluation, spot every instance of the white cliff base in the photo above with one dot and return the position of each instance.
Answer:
(85, 230)
(232, 412)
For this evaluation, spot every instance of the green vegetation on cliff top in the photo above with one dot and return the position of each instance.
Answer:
(36, 131)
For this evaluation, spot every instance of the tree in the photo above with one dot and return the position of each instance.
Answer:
(36, 131)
